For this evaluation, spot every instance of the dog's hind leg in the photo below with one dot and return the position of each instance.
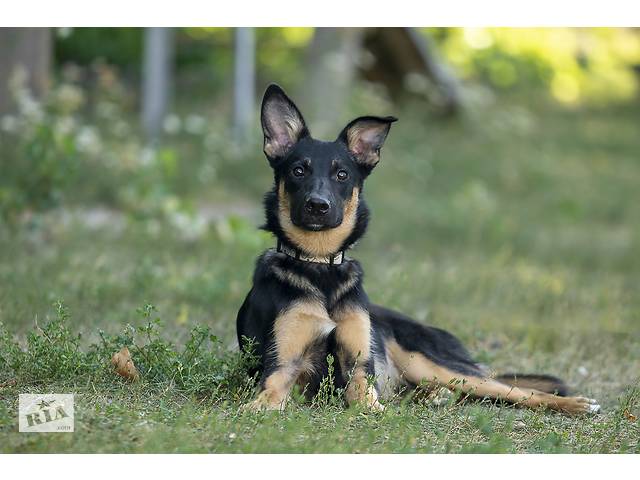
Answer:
(416, 368)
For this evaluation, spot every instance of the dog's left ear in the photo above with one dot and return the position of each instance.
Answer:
(364, 138)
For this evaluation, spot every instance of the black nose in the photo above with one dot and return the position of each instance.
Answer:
(316, 205)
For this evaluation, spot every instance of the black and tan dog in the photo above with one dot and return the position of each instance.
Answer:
(308, 300)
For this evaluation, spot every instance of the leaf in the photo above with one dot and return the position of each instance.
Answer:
(9, 383)
(124, 366)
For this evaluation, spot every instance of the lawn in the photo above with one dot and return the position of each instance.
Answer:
(516, 227)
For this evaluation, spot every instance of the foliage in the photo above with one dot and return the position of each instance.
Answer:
(201, 367)
(116, 46)
(576, 65)
(203, 55)
(39, 154)
(80, 146)
(595, 65)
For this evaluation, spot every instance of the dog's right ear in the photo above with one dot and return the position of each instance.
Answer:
(282, 123)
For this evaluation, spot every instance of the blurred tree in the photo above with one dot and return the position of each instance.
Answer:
(332, 60)
(401, 59)
(121, 46)
(29, 50)
(157, 79)
(575, 65)
(244, 84)
(406, 63)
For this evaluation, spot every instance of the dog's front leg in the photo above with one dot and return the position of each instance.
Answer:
(295, 330)
(353, 338)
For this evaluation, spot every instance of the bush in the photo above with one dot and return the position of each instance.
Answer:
(39, 154)
(53, 353)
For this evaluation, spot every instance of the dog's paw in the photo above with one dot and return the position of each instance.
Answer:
(371, 403)
(581, 406)
(260, 405)
(594, 406)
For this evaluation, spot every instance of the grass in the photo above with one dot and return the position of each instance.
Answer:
(516, 228)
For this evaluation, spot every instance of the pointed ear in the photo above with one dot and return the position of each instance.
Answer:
(364, 138)
(282, 123)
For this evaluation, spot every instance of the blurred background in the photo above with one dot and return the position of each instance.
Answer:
(505, 207)
(85, 112)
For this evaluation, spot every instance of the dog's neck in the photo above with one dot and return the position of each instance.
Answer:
(334, 259)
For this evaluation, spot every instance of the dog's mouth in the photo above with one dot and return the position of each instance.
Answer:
(316, 225)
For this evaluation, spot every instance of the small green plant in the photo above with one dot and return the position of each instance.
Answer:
(52, 352)
(328, 394)
(201, 367)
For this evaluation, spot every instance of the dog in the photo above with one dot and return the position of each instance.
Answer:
(308, 301)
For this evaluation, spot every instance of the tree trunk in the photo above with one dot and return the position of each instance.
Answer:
(331, 66)
(29, 50)
(408, 65)
(244, 89)
(157, 79)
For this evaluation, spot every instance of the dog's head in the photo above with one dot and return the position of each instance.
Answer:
(318, 183)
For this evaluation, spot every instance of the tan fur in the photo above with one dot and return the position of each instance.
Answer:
(355, 145)
(275, 393)
(295, 330)
(298, 327)
(353, 331)
(322, 243)
(417, 368)
(353, 335)
(271, 149)
(359, 138)
(541, 384)
(275, 147)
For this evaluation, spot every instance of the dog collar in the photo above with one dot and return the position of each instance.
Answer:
(336, 259)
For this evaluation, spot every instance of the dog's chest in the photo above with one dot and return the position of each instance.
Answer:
(328, 284)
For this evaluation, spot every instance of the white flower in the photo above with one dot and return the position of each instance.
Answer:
(64, 32)
(88, 141)
(28, 106)
(147, 156)
(195, 124)
(9, 124)
(172, 124)
(69, 98)
(191, 227)
(64, 125)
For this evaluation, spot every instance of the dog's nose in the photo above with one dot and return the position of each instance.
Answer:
(316, 205)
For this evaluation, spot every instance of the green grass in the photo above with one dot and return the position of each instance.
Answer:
(517, 228)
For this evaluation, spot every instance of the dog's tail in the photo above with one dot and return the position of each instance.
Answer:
(543, 383)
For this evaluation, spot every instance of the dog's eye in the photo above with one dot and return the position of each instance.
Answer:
(298, 171)
(342, 175)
